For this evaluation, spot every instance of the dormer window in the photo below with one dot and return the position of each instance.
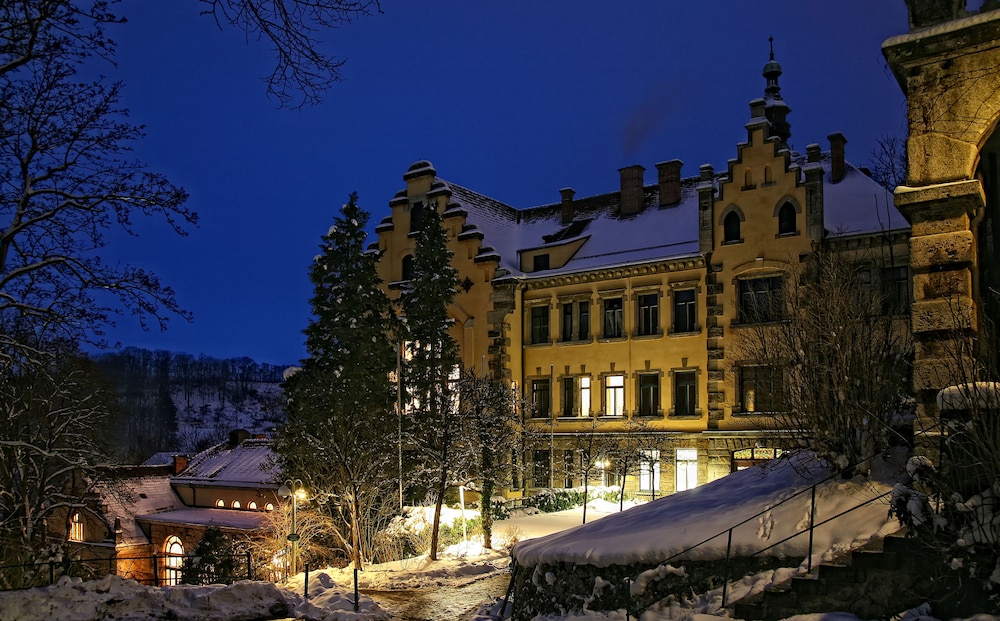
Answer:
(540, 262)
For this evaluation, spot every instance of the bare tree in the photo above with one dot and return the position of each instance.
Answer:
(302, 73)
(828, 359)
(50, 420)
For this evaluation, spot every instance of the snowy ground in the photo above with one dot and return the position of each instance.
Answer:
(331, 591)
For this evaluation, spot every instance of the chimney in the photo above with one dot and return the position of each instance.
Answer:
(812, 152)
(669, 177)
(631, 194)
(237, 436)
(837, 142)
(179, 464)
(567, 204)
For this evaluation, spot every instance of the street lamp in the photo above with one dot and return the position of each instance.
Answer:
(295, 490)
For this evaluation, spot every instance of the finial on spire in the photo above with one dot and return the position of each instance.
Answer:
(770, 40)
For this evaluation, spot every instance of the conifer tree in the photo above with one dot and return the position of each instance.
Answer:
(434, 426)
(340, 437)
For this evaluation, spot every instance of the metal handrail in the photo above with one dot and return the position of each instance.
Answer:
(729, 531)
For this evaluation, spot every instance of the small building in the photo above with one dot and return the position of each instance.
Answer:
(145, 519)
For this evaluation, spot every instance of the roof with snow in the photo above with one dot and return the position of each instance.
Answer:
(245, 464)
(221, 518)
(135, 497)
(856, 204)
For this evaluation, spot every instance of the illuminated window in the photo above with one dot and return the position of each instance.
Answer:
(252, 505)
(173, 560)
(236, 504)
(584, 396)
(687, 469)
(649, 471)
(269, 507)
(76, 528)
(220, 503)
(614, 395)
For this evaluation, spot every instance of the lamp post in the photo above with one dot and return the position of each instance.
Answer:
(294, 490)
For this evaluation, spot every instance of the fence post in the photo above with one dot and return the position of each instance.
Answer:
(725, 581)
(52, 571)
(156, 571)
(249, 566)
(628, 597)
(812, 520)
(305, 588)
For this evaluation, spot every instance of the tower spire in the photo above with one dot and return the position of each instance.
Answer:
(776, 110)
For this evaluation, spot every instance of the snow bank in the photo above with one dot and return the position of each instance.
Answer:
(655, 531)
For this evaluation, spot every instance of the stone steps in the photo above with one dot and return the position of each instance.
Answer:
(876, 580)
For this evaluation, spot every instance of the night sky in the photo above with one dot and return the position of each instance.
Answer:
(512, 99)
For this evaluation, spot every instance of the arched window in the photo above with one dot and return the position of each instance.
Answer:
(731, 227)
(269, 507)
(76, 528)
(236, 504)
(747, 179)
(408, 267)
(786, 219)
(252, 505)
(173, 560)
(767, 174)
(220, 503)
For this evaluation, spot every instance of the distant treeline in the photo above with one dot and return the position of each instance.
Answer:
(153, 385)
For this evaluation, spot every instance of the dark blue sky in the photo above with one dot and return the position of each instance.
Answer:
(513, 99)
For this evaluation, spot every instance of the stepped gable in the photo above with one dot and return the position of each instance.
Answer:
(247, 464)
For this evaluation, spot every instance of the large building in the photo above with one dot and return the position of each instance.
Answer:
(614, 312)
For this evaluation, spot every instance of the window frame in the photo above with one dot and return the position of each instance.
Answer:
(647, 309)
(690, 390)
(612, 318)
(614, 395)
(643, 408)
(76, 528)
(538, 324)
(649, 471)
(758, 375)
(689, 309)
(760, 304)
(541, 392)
(787, 220)
(567, 401)
(541, 467)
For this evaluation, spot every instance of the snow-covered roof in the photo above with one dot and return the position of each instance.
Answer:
(163, 458)
(246, 464)
(655, 531)
(222, 518)
(854, 205)
(135, 497)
